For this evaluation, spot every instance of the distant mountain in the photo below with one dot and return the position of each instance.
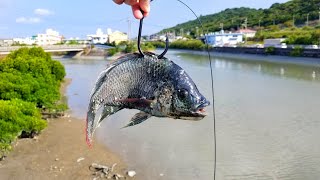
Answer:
(236, 18)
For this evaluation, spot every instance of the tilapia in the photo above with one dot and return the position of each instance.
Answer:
(156, 87)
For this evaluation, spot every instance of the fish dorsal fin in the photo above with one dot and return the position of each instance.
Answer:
(138, 118)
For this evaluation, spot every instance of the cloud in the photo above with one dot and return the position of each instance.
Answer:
(43, 12)
(28, 20)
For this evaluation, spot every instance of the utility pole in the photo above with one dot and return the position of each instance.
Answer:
(197, 31)
(221, 26)
(319, 17)
(259, 24)
(246, 26)
(181, 32)
(129, 29)
(308, 19)
(246, 23)
(293, 23)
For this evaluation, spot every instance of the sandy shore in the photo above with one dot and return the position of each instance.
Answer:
(54, 154)
(59, 152)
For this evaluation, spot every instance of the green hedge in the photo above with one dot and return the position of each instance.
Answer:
(17, 116)
(188, 44)
(31, 75)
(29, 82)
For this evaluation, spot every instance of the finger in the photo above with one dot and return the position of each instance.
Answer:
(145, 6)
(137, 12)
(131, 2)
(118, 1)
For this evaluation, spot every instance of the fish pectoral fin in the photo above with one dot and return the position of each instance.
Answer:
(140, 102)
(138, 118)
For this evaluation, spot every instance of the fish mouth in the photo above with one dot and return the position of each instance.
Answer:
(200, 110)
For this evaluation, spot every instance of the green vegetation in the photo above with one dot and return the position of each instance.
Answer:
(269, 50)
(17, 116)
(277, 14)
(130, 47)
(303, 36)
(113, 51)
(158, 44)
(31, 75)
(296, 51)
(188, 44)
(73, 42)
(29, 83)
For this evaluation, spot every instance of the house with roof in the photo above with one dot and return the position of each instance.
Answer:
(249, 33)
(219, 39)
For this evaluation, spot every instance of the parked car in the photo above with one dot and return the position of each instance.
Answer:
(311, 47)
(282, 45)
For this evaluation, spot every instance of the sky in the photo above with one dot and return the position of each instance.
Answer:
(21, 18)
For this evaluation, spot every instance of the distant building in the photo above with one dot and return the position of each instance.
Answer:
(154, 37)
(51, 37)
(224, 39)
(99, 37)
(27, 41)
(6, 42)
(249, 33)
(117, 37)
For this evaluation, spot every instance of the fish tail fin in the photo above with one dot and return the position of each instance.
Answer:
(93, 122)
(89, 128)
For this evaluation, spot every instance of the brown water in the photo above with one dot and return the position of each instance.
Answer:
(268, 123)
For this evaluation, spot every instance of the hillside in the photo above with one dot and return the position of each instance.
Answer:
(235, 18)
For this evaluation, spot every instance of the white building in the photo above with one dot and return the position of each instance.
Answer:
(224, 39)
(51, 37)
(249, 33)
(6, 42)
(27, 41)
(99, 37)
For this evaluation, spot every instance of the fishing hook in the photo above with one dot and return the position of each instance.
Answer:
(166, 48)
(139, 39)
(139, 35)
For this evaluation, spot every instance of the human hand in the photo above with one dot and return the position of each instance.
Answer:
(137, 6)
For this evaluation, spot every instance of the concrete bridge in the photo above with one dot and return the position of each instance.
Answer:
(49, 48)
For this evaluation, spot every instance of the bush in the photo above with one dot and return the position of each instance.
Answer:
(147, 46)
(31, 75)
(130, 48)
(188, 44)
(113, 51)
(17, 116)
(269, 50)
(158, 44)
(296, 51)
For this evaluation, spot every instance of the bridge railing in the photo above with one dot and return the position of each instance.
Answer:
(47, 47)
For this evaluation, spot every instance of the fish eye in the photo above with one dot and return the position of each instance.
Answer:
(182, 93)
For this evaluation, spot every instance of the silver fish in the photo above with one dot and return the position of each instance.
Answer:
(156, 87)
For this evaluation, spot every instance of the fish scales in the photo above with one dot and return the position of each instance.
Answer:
(156, 87)
(131, 79)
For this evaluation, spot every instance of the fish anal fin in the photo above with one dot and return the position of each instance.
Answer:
(107, 111)
(138, 118)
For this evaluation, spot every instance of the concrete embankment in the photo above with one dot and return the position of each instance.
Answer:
(312, 53)
(306, 61)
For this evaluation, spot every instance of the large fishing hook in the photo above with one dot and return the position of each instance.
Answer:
(139, 40)
(139, 35)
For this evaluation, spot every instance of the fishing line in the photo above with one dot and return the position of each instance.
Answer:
(212, 88)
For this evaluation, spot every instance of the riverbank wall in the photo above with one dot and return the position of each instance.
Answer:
(312, 53)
